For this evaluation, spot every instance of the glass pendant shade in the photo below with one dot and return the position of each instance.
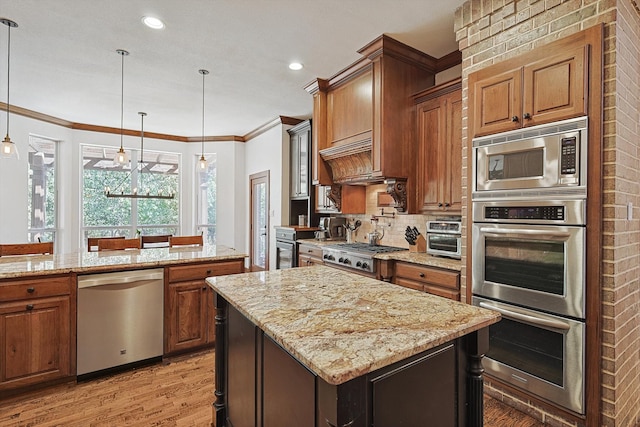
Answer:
(203, 163)
(121, 158)
(9, 149)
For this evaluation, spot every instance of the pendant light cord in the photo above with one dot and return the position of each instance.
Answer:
(121, 99)
(8, 70)
(204, 73)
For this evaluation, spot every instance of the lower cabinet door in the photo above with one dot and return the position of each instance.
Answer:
(187, 318)
(35, 341)
(288, 389)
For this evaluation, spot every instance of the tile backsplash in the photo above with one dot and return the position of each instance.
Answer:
(393, 227)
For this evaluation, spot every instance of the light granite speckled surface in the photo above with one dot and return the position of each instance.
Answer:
(414, 257)
(93, 262)
(342, 325)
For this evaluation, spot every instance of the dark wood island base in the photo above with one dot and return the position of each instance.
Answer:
(258, 383)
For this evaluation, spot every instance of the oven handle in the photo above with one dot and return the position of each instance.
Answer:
(493, 232)
(527, 318)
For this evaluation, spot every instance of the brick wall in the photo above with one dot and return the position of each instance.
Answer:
(489, 31)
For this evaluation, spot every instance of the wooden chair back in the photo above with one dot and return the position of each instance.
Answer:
(186, 241)
(26, 248)
(118, 244)
(159, 241)
(92, 242)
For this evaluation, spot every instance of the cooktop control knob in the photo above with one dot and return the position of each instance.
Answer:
(359, 264)
(347, 261)
(365, 265)
(341, 259)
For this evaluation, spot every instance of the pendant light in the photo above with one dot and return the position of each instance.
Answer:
(121, 158)
(135, 194)
(203, 161)
(9, 149)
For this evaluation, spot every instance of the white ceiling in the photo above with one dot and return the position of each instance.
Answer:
(64, 61)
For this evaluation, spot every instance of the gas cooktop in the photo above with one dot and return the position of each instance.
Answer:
(364, 248)
(357, 256)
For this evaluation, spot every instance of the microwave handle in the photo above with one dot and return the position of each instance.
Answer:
(493, 232)
(556, 324)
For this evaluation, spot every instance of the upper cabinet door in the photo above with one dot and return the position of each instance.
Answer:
(300, 160)
(533, 90)
(555, 87)
(496, 104)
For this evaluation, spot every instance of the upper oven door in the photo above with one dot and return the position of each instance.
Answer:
(536, 266)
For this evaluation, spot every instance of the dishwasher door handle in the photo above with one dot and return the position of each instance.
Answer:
(122, 278)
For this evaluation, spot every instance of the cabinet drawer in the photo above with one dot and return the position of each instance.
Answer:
(426, 275)
(442, 292)
(184, 273)
(312, 251)
(35, 288)
(411, 284)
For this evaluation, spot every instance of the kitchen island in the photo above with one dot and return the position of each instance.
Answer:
(318, 346)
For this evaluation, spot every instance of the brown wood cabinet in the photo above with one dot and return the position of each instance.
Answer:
(439, 132)
(362, 116)
(510, 95)
(349, 199)
(189, 310)
(309, 255)
(436, 281)
(37, 330)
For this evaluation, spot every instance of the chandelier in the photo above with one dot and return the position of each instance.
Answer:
(135, 194)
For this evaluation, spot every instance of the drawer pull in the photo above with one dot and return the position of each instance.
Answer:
(421, 275)
(29, 306)
(31, 290)
(208, 271)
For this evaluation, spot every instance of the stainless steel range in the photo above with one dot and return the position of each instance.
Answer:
(356, 256)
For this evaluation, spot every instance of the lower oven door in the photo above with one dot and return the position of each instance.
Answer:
(540, 353)
(537, 266)
(285, 255)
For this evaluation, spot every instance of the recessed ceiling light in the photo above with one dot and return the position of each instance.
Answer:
(295, 66)
(152, 22)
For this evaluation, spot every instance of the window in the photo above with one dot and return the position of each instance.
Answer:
(42, 189)
(107, 217)
(206, 199)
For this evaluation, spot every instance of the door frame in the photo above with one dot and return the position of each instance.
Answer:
(258, 177)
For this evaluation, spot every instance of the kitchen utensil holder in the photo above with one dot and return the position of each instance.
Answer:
(420, 246)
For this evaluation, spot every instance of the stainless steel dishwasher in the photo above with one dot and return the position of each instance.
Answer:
(120, 318)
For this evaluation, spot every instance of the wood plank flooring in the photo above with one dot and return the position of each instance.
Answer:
(177, 392)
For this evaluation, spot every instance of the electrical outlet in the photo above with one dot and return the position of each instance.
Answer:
(629, 211)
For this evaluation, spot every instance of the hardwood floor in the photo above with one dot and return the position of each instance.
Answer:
(178, 392)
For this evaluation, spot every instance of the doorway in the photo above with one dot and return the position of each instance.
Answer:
(259, 221)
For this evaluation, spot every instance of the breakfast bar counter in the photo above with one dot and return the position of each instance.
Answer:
(319, 346)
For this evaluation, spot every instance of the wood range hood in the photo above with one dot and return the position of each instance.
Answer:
(363, 117)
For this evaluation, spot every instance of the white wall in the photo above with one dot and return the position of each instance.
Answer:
(270, 151)
(13, 182)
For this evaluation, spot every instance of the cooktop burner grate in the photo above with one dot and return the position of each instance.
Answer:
(364, 248)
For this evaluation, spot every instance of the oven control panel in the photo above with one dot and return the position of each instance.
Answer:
(544, 213)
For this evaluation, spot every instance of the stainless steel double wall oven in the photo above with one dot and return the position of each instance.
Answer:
(528, 263)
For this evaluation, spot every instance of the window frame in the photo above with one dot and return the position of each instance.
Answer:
(32, 233)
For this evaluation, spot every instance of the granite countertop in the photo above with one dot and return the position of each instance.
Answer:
(343, 325)
(93, 262)
(420, 258)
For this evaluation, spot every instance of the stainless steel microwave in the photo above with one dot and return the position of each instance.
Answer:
(546, 157)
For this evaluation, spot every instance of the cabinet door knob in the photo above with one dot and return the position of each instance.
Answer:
(439, 205)
(514, 119)
(447, 205)
(31, 290)
(29, 306)
(421, 275)
(527, 116)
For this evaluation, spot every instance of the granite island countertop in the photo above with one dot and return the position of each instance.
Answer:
(96, 262)
(342, 325)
